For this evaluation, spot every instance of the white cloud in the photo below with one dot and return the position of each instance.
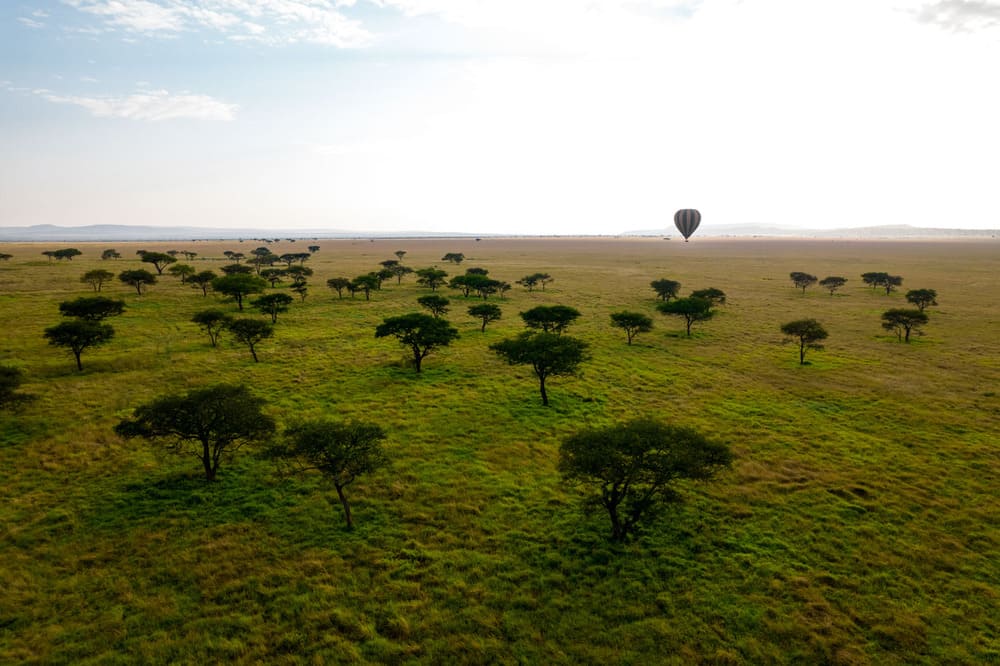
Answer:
(89, 79)
(265, 21)
(31, 23)
(971, 15)
(148, 105)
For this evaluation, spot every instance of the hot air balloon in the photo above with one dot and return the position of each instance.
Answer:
(687, 220)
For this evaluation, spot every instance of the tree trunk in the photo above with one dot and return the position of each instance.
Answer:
(253, 353)
(629, 334)
(689, 322)
(802, 352)
(79, 366)
(483, 328)
(206, 461)
(346, 505)
(541, 387)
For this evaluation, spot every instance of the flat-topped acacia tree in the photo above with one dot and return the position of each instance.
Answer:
(217, 420)
(631, 467)
(79, 335)
(548, 354)
(97, 278)
(633, 323)
(421, 333)
(807, 332)
(238, 286)
(138, 278)
(691, 309)
(341, 452)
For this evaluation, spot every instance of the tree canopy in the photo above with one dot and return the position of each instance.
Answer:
(548, 354)
(711, 294)
(159, 260)
(633, 323)
(92, 308)
(341, 452)
(78, 335)
(807, 332)
(832, 283)
(630, 467)
(485, 312)
(550, 318)
(238, 286)
(904, 322)
(454, 257)
(666, 289)
(250, 332)
(420, 332)
(97, 278)
(802, 280)
(138, 278)
(272, 304)
(218, 420)
(212, 322)
(691, 309)
(435, 304)
(431, 277)
(922, 298)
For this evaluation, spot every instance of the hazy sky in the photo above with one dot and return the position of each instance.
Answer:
(520, 116)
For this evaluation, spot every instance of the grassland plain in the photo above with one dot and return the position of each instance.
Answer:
(858, 525)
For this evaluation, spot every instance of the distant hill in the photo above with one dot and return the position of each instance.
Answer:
(887, 232)
(122, 232)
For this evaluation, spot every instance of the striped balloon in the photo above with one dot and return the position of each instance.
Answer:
(687, 220)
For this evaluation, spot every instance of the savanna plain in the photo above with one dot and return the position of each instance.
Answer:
(858, 523)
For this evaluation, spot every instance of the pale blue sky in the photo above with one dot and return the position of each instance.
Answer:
(499, 116)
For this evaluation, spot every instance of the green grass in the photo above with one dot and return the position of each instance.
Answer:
(859, 523)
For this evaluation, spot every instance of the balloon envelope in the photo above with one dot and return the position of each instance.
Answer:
(687, 220)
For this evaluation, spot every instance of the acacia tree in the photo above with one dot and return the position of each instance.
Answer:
(250, 332)
(367, 283)
(314, 248)
(97, 277)
(712, 295)
(341, 452)
(882, 280)
(633, 323)
(182, 271)
(802, 280)
(78, 335)
(202, 280)
(4, 256)
(437, 305)
(66, 253)
(903, 322)
(400, 254)
(832, 283)
(138, 278)
(110, 253)
(666, 289)
(431, 277)
(273, 304)
(550, 318)
(92, 308)
(486, 312)
(691, 309)
(922, 298)
(548, 354)
(631, 466)
(399, 272)
(160, 260)
(807, 332)
(339, 284)
(218, 420)
(212, 322)
(454, 257)
(238, 286)
(421, 333)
